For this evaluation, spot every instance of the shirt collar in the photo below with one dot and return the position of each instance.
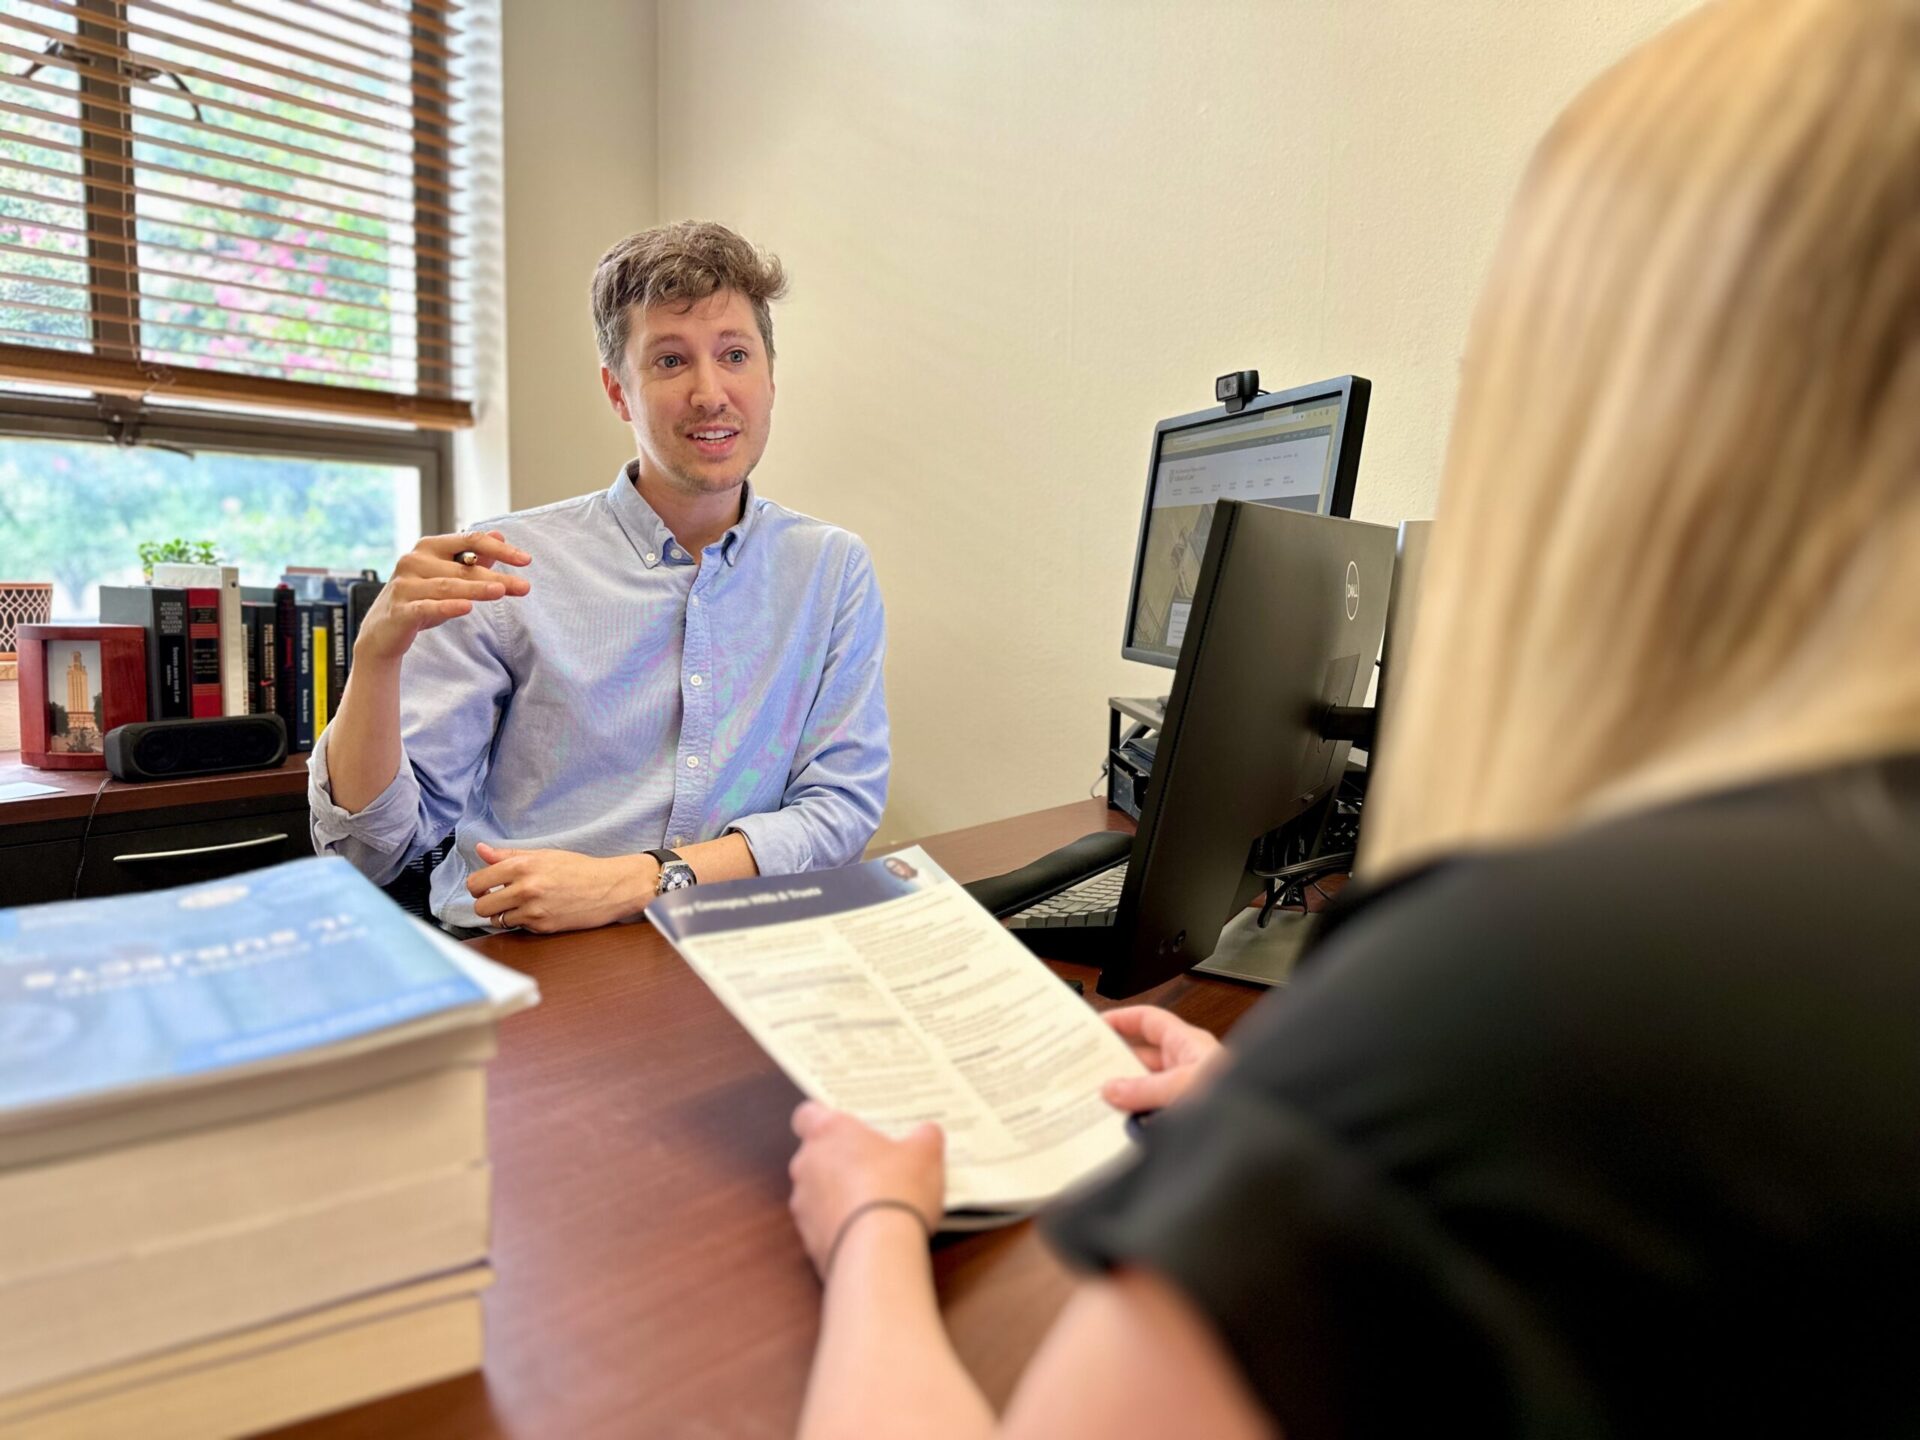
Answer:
(651, 538)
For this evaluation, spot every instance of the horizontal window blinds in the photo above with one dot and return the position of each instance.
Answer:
(258, 202)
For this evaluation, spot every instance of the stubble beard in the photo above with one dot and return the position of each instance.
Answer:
(695, 483)
(689, 483)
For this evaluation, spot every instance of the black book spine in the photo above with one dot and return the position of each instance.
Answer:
(250, 629)
(263, 668)
(360, 597)
(170, 629)
(269, 661)
(337, 662)
(286, 635)
(303, 678)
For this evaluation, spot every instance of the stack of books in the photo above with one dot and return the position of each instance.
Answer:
(216, 647)
(243, 1161)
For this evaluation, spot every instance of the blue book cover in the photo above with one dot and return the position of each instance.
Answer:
(330, 585)
(103, 996)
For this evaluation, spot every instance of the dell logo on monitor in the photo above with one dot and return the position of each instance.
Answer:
(1353, 589)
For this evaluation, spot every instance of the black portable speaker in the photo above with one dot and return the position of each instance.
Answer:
(170, 749)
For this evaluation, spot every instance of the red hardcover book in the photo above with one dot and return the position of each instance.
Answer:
(203, 651)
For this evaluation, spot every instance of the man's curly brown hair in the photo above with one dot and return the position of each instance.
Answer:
(679, 265)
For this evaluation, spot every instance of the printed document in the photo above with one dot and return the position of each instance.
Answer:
(884, 990)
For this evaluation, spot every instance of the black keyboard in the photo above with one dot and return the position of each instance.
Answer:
(1092, 901)
(1064, 904)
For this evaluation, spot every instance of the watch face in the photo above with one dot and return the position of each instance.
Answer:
(676, 875)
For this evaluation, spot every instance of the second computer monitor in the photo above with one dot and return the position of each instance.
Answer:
(1287, 616)
(1297, 449)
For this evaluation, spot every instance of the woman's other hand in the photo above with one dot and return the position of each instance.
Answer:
(1181, 1057)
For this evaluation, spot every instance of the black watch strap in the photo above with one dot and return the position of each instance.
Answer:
(675, 873)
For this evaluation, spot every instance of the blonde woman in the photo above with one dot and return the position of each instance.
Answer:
(1599, 1114)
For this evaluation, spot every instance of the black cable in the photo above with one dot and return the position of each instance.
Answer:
(1307, 869)
(1279, 897)
(81, 864)
(1282, 882)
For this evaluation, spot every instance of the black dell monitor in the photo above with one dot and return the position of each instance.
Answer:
(1285, 620)
(1296, 449)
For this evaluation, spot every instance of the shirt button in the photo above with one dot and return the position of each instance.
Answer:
(693, 762)
(674, 842)
(695, 681)
(650, 557)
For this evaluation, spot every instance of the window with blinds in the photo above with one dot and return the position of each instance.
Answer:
(249, 202)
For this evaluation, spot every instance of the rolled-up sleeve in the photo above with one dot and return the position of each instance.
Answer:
(838, 786)
(453, 684)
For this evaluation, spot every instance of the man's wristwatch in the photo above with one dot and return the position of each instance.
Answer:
(675, 873)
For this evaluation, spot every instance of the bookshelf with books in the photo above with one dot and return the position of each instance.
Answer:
(87, 834)
(217, 648)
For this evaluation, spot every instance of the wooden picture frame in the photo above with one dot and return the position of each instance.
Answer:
(50, 737)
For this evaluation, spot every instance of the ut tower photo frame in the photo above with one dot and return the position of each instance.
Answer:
(77, 682)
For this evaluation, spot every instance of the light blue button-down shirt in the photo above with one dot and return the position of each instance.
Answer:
(634, 699)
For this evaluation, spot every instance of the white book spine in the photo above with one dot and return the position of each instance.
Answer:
(233, 644)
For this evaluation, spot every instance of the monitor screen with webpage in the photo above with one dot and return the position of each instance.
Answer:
(1298, 449)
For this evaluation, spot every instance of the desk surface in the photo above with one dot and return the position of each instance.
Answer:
(78, 792)
(650, 1281)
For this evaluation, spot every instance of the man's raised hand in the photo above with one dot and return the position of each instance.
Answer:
(430, 586)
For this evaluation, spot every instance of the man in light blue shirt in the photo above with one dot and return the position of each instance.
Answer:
(669, 681)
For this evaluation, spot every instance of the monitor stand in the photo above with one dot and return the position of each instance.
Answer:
(1148, 710)
(1247, 953)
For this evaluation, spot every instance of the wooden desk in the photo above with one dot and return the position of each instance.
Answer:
(76, 790)
(650, 1281)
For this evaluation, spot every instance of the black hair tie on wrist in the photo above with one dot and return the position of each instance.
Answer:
(833, 1250)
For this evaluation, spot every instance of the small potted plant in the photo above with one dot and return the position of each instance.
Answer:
(175, 552)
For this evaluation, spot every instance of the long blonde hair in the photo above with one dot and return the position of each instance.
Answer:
(1678, 544)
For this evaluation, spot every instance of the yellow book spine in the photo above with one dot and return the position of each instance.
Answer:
(322, 661)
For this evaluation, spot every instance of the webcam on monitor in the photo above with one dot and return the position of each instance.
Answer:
(1236, 389)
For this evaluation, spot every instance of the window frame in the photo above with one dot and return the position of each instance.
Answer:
(124, 420)
(48, 417)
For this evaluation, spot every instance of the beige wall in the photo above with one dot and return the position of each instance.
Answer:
(1020, 233)
(581, 149)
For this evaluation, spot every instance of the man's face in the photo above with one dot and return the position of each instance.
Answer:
(697, 387)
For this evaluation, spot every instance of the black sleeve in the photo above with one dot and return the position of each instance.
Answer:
(1346, 1309)
(1613, 1136)
(1286, 1205)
